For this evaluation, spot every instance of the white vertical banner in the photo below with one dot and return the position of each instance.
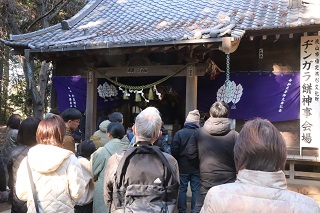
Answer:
(309, 92)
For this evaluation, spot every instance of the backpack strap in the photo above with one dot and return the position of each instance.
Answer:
(124, 162)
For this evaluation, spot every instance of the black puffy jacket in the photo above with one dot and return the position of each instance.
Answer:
(178, 149)
(18, 153)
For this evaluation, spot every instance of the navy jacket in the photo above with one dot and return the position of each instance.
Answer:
(178, 149)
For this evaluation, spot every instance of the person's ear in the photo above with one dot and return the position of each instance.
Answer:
(109, 136)
(68, 123)
(160, 134)
(134, 130)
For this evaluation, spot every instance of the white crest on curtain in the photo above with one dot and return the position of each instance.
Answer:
(107, 91)
(72, 100)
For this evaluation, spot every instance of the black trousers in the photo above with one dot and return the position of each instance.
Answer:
(3, 175)
(84, 209)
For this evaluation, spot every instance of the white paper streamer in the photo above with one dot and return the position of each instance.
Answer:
(157, 93)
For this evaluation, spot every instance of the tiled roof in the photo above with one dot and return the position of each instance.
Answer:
(117, 23)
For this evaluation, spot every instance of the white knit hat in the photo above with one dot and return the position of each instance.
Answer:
(193, 117)
(104, 125)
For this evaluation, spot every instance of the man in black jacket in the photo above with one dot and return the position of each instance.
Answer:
(188, 169)
(213, 144)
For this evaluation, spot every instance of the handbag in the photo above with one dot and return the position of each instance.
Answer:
(32, 187)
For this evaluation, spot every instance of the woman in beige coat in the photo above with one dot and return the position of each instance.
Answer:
(260, 155)
(55, 171)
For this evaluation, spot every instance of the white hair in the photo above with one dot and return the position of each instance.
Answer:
(148, 124)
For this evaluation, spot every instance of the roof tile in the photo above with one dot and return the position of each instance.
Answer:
(110, 22)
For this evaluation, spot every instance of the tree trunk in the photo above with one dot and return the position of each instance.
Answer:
(42, 10)
(4, 77)
(1, 77)
(13, 22)
(43, 81)
(37, 94)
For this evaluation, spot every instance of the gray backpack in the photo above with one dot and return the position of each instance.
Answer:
(145, 182)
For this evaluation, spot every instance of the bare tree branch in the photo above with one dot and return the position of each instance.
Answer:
(46, 14)
(58, 9)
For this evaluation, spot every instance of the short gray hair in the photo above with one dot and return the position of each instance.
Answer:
(148, 124)
(219, 110)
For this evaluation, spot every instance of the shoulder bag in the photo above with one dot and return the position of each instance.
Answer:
(32, 187)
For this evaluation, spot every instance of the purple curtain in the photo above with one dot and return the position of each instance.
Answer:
(71, 92)
(269, 96)
(274, 97)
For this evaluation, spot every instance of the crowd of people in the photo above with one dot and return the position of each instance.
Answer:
(45, 167)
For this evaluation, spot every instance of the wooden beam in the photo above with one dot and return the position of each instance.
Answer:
(300, 182)
(138, 71)
(296, 30)
(167, 48)
(209, 45)
(142, 49)
(179, 47)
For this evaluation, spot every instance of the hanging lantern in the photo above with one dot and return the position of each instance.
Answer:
(138, 97)
(150, 96)
(125, 95)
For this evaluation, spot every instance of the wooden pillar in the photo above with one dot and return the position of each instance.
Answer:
(91, 104)
(191, 89)
(291, 169)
